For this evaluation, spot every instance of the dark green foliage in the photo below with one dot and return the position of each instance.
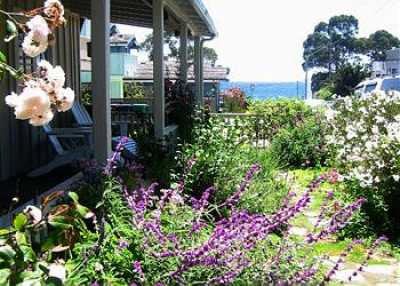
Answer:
(342, 82)
(209, 54)
(301, 145)
(319, 80)
(379, 42)
(379, 215)
(331, 44)
(133, 90)
(335, 48)
(347, 78)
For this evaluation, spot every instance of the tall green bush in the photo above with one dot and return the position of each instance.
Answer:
(280, 114)
(302, 145)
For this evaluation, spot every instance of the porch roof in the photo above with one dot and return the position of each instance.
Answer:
(139, 13)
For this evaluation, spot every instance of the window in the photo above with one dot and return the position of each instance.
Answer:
(370, 87)
(391, 84)
(359, 89)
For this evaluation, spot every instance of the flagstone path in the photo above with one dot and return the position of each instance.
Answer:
(385, 270)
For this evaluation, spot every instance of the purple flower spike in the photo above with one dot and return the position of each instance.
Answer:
(234, 199)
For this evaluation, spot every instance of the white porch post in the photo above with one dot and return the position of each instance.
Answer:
(198, 70)
(183, 52)
(202, 71)
(158, 62)
(101, 78)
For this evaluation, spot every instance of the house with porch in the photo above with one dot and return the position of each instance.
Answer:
(23, 147)
(390, 66)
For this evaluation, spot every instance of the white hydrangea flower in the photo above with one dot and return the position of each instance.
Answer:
(43, 68)
(41, 119)
(56, 77)
(32, 102)
(39, 28)
(33, 48)
(36, 41)
(65, 99)
(13, 100)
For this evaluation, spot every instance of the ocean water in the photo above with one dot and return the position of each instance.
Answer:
(268, 90)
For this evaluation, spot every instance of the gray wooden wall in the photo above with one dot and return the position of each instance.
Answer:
(23, 147)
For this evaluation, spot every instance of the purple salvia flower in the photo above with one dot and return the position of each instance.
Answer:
(338, 221)
(324, 208)
(371, 251)
(202, 203)
(113, 161)
(341, 260)
(137, 267)
(234, 199)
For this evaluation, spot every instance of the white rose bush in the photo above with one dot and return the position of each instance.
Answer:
(365, 139)
(43, 92)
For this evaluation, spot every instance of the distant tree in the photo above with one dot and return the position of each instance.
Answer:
(379, 42)
(319, 80)
(170, 40)
(210, 55)
(332, 44)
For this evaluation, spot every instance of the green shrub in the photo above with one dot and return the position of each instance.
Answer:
(280, 114)
(302, 145)
(222, 159)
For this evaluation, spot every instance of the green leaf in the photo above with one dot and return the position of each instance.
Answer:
(20, 221)
(2, 57)
(53, 281)
(12, 31)
(7, 252)
(29, 254)
(83, 211)
(4, 232)
(30, 278)
(60, 222)
(74, 197)
(20, 237)
(4, 275)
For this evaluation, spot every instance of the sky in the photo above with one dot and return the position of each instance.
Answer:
(262, 40)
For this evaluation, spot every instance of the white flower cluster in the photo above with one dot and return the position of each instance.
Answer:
(40, 28)
(42, 95)
(365, 132)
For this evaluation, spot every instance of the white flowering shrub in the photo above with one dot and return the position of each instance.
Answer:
(365, 132)
(43, 91)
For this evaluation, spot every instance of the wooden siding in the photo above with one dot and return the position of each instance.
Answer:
(23, 147)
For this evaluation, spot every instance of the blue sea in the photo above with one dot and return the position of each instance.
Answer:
(268, 90)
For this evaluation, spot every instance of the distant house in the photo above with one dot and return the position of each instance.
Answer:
(389, 67)
(126, 68)
(122, 57)
(213, 76)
